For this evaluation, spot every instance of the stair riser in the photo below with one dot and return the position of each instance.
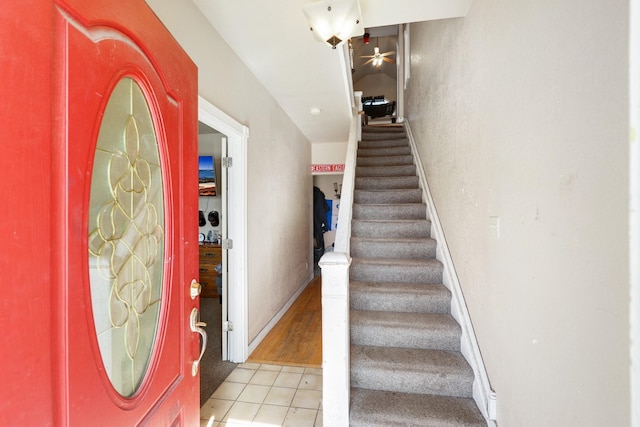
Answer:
(395, 336)
(381, 143)
(385, 230)
(385, 161)
(387, 196)
(379, 183)
(391, 151)
(408, 303)
(397, 128)
(411, 382)
(401, 211)
(395, 273)
(400, 250)
(390, 131)
(364, 171)
(376, 136)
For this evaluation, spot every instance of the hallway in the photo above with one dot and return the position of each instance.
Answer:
(296, 340)
(281, 383)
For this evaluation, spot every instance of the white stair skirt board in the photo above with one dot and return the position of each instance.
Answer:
(484, 397)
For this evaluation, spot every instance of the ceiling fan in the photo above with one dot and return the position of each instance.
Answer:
(378, 58)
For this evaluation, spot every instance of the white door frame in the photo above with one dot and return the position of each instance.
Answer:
(237, 136)
(634, 204)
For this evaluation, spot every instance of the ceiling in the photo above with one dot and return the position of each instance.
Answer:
(273, 39)
(386, 38)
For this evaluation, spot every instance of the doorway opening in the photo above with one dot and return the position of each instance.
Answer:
(212, 211)
(225, 224)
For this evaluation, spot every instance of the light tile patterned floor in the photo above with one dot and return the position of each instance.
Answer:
(266, 396)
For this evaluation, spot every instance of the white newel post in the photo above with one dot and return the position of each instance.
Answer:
(335, 338)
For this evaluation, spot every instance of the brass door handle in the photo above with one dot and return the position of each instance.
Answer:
(195, 289)
(196, 326)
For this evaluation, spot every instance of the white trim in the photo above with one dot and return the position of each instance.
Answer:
(343, 235)
(634, 207)
(335, 295)
(345, 63)
(336, 383)
(263, 333)
(484, 397)
(237, 135)
(400, 71)
(406, 54)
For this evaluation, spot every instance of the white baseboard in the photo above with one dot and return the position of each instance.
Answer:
(263, 333)
(484, 397)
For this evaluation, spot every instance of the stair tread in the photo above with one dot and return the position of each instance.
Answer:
(400, 221)
(399, 297)
(410, 320)
(373, 136)
(392, 240)
(385, 167)
(399, 175)
(375, 408)
(387, 156)
(386, 190)
(398, 261)
(398, 142)
(411, 360)
(374, 205)
(411, 370)
(396, 288)
(377, 178)
(403, 160)
(405, 329)
(428, 323)
(393, 128)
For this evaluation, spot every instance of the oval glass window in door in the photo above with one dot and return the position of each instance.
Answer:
(126, 237)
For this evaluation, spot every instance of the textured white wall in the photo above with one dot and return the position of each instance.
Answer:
(279, 200)
(520, 112)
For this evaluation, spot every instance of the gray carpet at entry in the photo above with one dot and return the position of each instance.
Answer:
(213, 371)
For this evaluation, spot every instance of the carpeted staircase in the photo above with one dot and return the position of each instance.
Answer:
(406, 365)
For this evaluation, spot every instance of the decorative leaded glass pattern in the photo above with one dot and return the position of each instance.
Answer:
(126, 237)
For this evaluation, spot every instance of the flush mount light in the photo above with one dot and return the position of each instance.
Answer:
(315, 111)
(334, 21)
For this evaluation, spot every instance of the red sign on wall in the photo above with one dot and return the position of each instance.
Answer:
(327, 168)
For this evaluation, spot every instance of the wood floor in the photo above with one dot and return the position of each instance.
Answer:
(297, 338)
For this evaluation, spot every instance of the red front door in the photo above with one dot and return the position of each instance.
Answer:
(124, 218)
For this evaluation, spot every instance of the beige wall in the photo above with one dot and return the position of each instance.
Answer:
(328, 153)
(520, 112)
(377, 84)
(279, 200)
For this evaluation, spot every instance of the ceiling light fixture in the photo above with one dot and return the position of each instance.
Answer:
(378, 58)
(334, 21)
